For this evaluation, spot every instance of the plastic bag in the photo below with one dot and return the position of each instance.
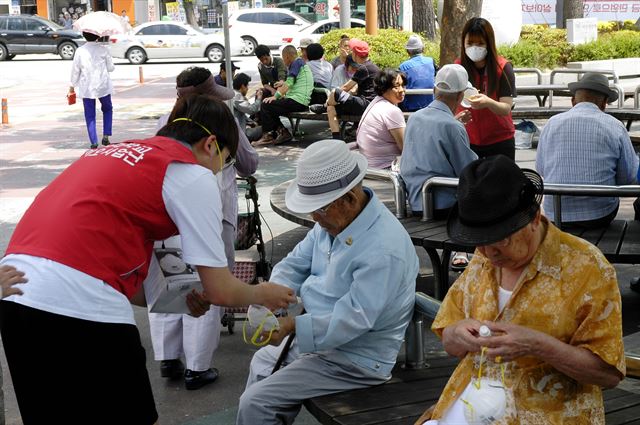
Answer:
(525, 130)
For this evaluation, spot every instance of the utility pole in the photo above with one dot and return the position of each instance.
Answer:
(371, 17)
(345, 13)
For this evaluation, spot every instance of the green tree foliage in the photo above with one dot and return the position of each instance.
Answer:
(539, 46)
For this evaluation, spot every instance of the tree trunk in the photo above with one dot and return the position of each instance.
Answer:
(424, 20)
(191, 15)
(388, 13)
(572, 9)
(455, 13)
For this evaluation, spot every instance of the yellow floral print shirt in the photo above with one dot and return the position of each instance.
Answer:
(570, 291)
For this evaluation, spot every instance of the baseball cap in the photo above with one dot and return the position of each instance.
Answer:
(359, 47)
(304, 42)
(452, 78)
(414, 43)
(234, 67)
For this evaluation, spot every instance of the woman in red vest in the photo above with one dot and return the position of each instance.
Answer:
(491, 130)
(85, 245)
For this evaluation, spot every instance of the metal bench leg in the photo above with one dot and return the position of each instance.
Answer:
(293, 126)
(414, 343)
(442, 285)
(296, 129)
(436, 265)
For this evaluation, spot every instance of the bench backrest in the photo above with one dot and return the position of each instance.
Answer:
(555, 189)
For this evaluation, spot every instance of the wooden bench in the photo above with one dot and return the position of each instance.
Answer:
(416, 385)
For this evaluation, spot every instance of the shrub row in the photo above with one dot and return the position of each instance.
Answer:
(539, 47)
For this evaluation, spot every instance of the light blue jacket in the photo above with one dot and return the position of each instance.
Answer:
(358, 288)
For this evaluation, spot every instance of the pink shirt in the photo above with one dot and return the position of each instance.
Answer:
(374, 139)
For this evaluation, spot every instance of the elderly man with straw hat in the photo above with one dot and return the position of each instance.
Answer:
(355, 272)
(536, 316)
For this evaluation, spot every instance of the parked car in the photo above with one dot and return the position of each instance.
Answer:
(170, 40)
(316, 30)
(264, 26)
(30, 34)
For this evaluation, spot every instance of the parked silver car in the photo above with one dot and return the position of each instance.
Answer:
(171, 40)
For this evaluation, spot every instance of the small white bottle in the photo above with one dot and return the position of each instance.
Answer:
(484, 331)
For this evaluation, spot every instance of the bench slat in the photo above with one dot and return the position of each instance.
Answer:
(610, 242)
(630, 249)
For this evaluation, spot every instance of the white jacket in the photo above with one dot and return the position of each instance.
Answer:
(90, 73)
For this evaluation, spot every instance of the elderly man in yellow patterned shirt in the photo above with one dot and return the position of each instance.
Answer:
(536, 316)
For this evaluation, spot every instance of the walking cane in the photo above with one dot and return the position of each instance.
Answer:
(285, 350)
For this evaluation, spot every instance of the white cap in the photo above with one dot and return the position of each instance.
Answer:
(305, 42)
(452, 78)
(414, 43)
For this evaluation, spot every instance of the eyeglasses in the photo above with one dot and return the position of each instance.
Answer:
(323, 210)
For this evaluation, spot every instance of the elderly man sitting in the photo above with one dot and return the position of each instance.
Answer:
(536, 316)
(358, 299)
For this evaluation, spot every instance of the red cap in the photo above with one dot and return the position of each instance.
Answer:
(359, 47)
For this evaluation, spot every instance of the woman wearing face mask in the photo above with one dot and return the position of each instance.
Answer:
(85, 245)
(491, 130)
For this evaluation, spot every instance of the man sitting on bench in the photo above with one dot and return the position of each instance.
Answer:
(535, 318)
(586, 146)
(340, 101)
(355, 272)
(292, 96)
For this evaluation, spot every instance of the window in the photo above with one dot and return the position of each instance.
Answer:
(16, 24)
(3, 22)
(281, 19)
(33, 25)
(249, 17)
(174, 30)
(152, 30)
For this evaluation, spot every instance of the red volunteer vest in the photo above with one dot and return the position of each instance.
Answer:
(485, 127)
(103, 213)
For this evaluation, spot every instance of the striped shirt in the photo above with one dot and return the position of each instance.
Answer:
(585, 146)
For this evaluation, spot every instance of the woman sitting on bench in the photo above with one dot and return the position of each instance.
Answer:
(380, 135)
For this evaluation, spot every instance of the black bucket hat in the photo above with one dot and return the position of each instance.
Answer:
(496, 198)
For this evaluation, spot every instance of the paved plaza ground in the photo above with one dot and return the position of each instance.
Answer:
(44, 137)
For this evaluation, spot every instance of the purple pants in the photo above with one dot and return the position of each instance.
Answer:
(90, 117)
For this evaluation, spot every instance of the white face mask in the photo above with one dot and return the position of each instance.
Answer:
(476, 53)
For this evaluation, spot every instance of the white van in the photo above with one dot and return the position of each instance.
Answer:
(264, 26)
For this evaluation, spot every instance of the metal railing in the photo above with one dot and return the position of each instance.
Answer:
(418, 91)
(425, 306)
(555, 189)
(529, 71)
(579, 72)
(399, 188)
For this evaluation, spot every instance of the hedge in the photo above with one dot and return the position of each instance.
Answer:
(387, 47)
(539, 46)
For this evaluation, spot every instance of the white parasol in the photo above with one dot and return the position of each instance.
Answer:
(101, 24)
